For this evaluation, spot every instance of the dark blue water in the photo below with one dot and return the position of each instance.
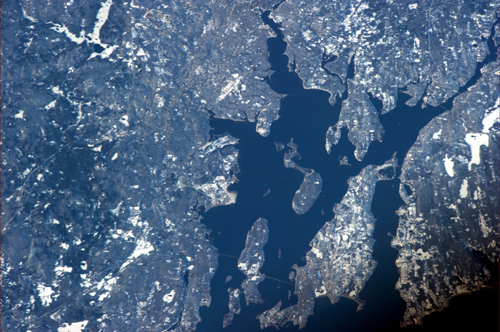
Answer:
(305, 117)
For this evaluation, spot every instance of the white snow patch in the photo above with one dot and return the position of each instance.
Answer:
(56, 90)
(26, 172)
(94, 36)
(464, 189)
(134, 220)
(143, 247)
(26, 16)
(73, 327)
(448, 166)
(416, 45)
(45, 294)
(475, 140)
(124, 120)
(102, 17)
(51, 105)
(321, 291)
(7, 269)
(63, 269)
(307, 35)
(232, 85)
(318, 253)
(491, 118)
(478, 194)
(107, 284)
(437, 135)
(133, 5)
(141, 52)
(64, 246)
(19, 115)
(60, 28)
(169, 223)
(85, 283)
(423, 255)
(116, 210)
(104, 54)
(169, 297)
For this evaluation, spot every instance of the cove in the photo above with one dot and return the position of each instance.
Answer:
(305, 116)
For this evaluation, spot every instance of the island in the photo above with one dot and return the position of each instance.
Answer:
(233, 305)
(252, 259)
(310, 188)
(340, 260)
